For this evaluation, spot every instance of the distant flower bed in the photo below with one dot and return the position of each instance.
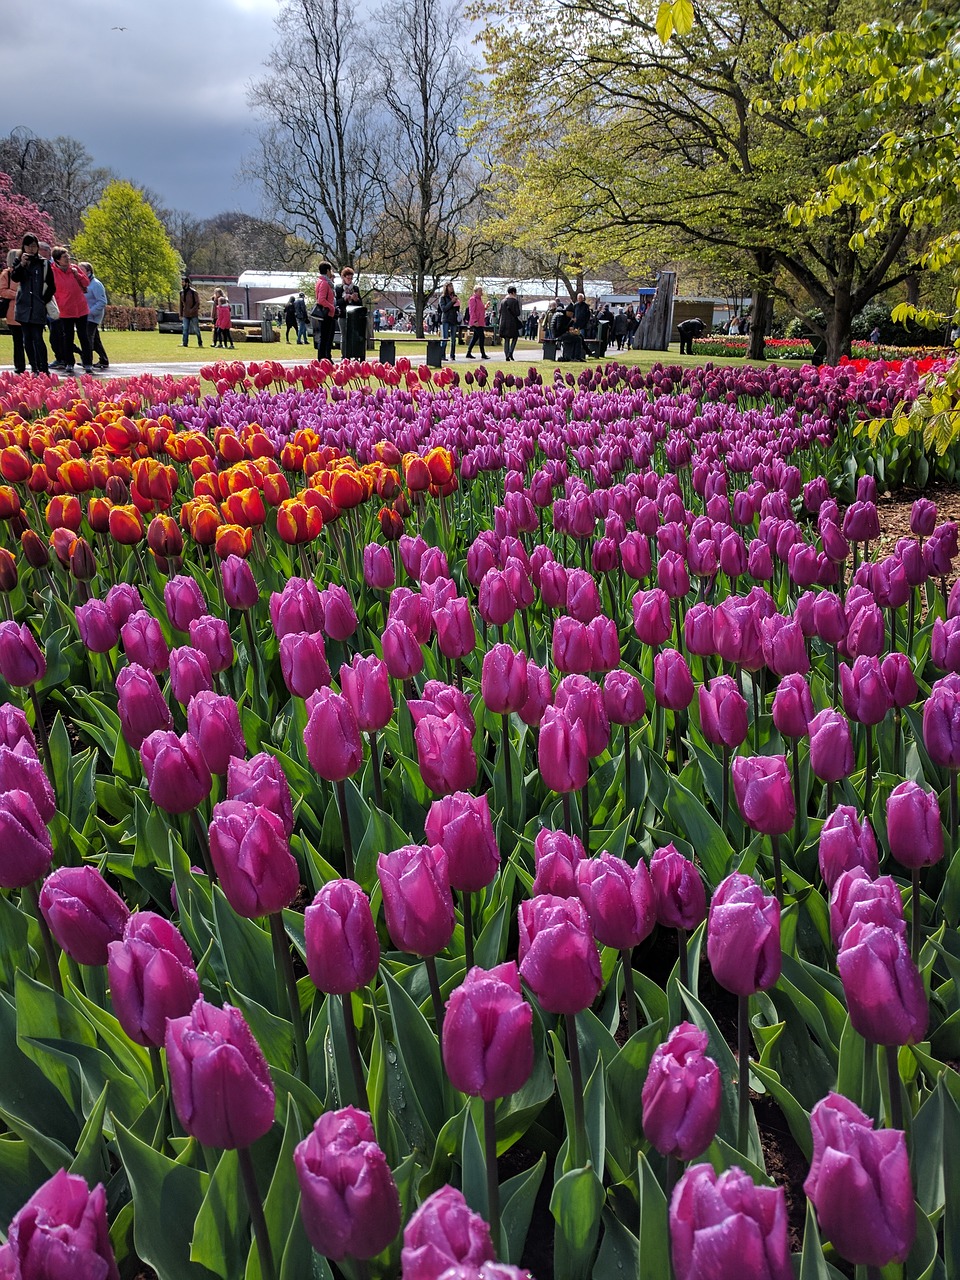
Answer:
(802, 349)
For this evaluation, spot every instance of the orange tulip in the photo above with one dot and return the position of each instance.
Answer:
(440, 465)
(244, 508)
(15, 466)
(232, 540)
(416, 473)
(208, 487)
(297, 522)
(126, 525)
(204, 521)
(229, 448)
(347, 488)
(75, 475)
(122, 435)
(98, 514)
(387, 452)
(8, 570)
(292, 456)
(276, 488)
(9, 502)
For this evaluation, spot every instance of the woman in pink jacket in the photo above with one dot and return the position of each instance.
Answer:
(476, 320)
(71, 289)
(326, 309)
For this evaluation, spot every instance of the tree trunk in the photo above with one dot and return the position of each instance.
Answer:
(761, 307)
(837, 332)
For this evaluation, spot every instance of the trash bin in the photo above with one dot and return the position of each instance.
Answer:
(549, 349)
(603, 337)
(388, 351)
(434, 357)
(267, 331)
(353, 333)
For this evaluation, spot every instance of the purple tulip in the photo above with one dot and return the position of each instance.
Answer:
(83, 913)
(443, 1233)
(62, 1230)
(846, 842)
(21, 662)
(212, 637)
(882, 985)
(623, 698)
(339, 615)
(20, 770)
(723, 713)
(189, 673)
(682, 1095)
(240, 590)
(365, 684)
(620, 900)
(488, 1034)
(582, 698)
(941, 723)
(651, 616)
(743, 936)
(297, 607)
(177, 774)
(144, 643)
(556, 858)
(456, 636)
(219, 1079)
(681, 900)
(417, 901)
(582, 596)
(698, 637)
(855, 897)
(378, 570)
(184, 601)
(783, 646)
(866, 697)
(26, 851)
(496, 603)
(461, 823)
(348, 1199)
(332, 736)
(503, 680)
(899, 678)
(764, 793)
(725, 1226)
(445, 754)
(214, 721)
(343, 952)
(558, 957)
(261, 781)
(562, 751)
(14, 728)
(97, 625)
(672, 681)
(401, 651)
(571, 649)
(736, 631)
(441, 699)
(914, 829)
(831, 746)
(539, 695)
(152, 977)
(123, 600)
(252, 858)
(793, 707)
(860, 1185)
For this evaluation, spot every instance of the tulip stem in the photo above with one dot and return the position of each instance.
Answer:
(684, 958)
(203, 841)
(585, 812)
(493, 1181)
(755, 687)
(252, 652)
(743, 1051)
(468, 928)
(44, 740)
(156, 1066)
(576, 1077)
(915, 917)
(49, 946)
(673, 1173)
(891, 1052)
(375, 761)
(627, 764)
(345, 828)
(284, 963)
(508, 770)
(435, 995)
(954, 810)
(356, 1065)
(567, 820)
(796, 793)
(777, 868)
(629, 994)
(255, 1205)
(725, 789)
(868, 780)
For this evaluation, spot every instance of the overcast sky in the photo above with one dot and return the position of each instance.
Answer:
(163, 102)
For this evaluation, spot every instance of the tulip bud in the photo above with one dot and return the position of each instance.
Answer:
(831, 747)
(503, 681)
(144, 643)
(623, 698)
(845, 843)
(401, 651)
(682, 1095)
(62, 1230)
(445, 753)
(26, 851)
(860, 1185)
(177, 775)
(488, 1034)
(261, 781)
(855, 897)
(417, 901)
(343, 952)
(764, 793)
(212, 637)
(443, 1233)
(681, 900)
(557, 856)
(558, 957)
(461, 823)
(332, 736)
(620, 900)
(240, 590)
(348, 1198)
(21, 770)
(914, 829)
(743, 936)
(725, 1226)
(883, 987)
(723, 713)
(152, 977)
(83, 913)
(184, 601)
(651, 616)
(219, 1079)
(562, 751)
(303, 663)
(21, 662)
(189, 673)
(941, 721)
(793, 707)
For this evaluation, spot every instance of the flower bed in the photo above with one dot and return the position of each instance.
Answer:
(408, 781)
(721, 344)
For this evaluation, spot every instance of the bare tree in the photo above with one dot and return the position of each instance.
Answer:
(317, 151)
(428, 180)
(57, 174)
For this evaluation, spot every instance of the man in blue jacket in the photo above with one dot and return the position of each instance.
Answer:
(96, 307)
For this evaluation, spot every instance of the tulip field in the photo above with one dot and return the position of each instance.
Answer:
(442, 821)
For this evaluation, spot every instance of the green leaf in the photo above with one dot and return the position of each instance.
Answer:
(813, 1265)
(624, 1108)
(575, 1204)
(282, 1203)
(222, 1229)
(691, 819)
(619, 1250)
(517, 1198)
(21, 1172)
(168, 1195)
(927, 1150)
(91, 1161)
(419, 1055)
(654, 1227)
(247, 953)
(794, 1114)
(665, 21)
(951, 1174)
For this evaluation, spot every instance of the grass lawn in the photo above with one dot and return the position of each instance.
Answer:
(130, 347)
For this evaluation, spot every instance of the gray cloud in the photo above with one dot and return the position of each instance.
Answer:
(162, 103)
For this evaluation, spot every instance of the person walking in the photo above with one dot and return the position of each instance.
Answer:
(290, 317)
(510, 322)
(71, 293)
(476, 320)
(96, 310)
(190, 312)
(34, 275)
(325, 311)
(303, 319)
(449, 319)
(225, 322)
(8, 307)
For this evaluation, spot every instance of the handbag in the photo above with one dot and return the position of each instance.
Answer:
(53, 311)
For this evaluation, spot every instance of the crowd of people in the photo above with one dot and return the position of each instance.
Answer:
(43, 289)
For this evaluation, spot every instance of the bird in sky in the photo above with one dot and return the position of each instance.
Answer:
(118, 28)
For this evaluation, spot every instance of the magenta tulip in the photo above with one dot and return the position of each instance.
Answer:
(343, 952)
(682, 1095)
(488, 1034)
(558, 956)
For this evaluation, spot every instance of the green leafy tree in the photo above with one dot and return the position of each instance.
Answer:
(126, 241)
(637, 149)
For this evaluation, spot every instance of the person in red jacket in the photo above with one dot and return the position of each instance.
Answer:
(71, 289)
(326, 310)
(477, 320)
